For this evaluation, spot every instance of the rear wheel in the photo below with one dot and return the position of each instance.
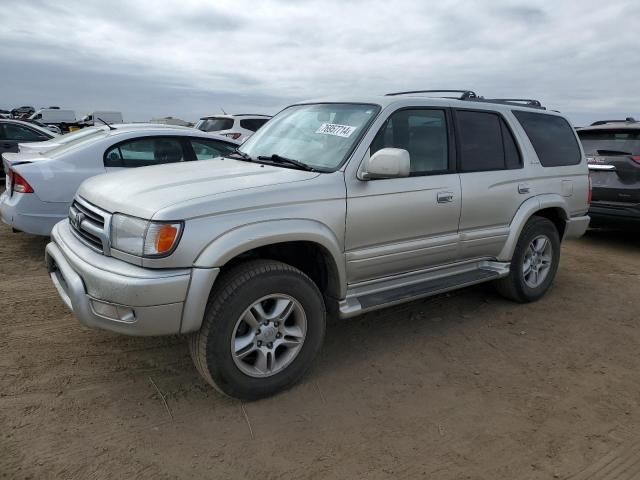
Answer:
(263, 326)
(534, 263)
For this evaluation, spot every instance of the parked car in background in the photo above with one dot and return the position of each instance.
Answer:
(345, 205)
(613, 154)
(52, 128)
(171, 121)
(109, 117)
(15, 132)
(24, 111)
(41, 183)
(238, 127)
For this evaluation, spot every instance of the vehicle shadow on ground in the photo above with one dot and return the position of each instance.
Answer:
(608, 237)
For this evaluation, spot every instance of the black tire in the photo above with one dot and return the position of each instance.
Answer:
(234, 291)
(514, 286)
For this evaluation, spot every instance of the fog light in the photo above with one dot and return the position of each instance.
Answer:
(113, 312)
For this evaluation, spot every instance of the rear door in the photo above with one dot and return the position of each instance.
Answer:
(614, 163)
(493, 180)
(145, 151)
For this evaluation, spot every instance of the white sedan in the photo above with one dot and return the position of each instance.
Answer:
(41, 182)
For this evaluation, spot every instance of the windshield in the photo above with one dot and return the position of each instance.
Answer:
(214, 124)
(623, 140)
(318, 135)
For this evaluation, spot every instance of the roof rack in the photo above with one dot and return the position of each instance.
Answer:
(471, 96)
(604, 122)
(464, 94)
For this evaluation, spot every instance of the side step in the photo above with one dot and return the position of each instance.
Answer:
(365, 301)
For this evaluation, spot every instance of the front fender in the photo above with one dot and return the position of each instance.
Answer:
(528, 208)
(247, 237)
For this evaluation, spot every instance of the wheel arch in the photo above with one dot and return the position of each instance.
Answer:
(305, 244)
(550, 206)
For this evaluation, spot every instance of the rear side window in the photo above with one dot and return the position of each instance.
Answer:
(552, 138)
(142, 152)
(486, 143)
(622, 140)
(253, 124)
(205, 149)
(214, 124)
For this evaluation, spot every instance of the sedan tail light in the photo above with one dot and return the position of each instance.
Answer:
(235, 136)
(636, 158)
(18, 183)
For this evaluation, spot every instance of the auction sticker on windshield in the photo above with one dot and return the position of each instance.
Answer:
(335, 129)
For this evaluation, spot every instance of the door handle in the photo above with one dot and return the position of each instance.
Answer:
(524, 188)
(444, 197)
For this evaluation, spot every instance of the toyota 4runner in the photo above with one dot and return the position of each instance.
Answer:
(339, 206)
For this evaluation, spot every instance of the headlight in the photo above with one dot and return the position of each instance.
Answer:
(144, 238)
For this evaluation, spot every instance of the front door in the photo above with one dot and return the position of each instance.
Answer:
(399, 225)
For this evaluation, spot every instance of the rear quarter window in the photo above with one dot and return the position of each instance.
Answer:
(552, 138)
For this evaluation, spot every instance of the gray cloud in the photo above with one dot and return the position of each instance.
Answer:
(189, 57)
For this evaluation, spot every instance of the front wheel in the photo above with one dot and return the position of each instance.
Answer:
(263, 326)
(534, 263)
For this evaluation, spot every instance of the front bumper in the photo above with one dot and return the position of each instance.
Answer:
(27, 213)
(107, 293)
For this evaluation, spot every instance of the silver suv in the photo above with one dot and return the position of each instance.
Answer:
(341, 206)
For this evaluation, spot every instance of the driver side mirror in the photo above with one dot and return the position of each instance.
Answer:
(386, 163)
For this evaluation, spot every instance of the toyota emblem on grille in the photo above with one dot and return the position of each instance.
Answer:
(76, 218)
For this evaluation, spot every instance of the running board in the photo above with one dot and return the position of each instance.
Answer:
(357, 303)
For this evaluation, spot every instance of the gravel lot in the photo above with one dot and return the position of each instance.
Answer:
(462, 386)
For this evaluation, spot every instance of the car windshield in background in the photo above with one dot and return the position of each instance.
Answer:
(623, 140)
(318, 135)
(214, 124)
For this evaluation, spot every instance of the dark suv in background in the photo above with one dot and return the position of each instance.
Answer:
(612, 148)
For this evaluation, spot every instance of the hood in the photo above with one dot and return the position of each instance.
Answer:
(142, 192)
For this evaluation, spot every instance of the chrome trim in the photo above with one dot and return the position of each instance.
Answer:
(596, 166)
(86, 218)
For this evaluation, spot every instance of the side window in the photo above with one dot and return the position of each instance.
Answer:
(206, 149)
(480, 136)
(142, 152)
(552, 138)
(253, 124)
(18, 132)
(512, 156)
(423, 133)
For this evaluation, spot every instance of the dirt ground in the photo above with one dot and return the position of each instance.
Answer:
(462, 386)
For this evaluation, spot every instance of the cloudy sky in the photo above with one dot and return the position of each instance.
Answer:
(189, 58)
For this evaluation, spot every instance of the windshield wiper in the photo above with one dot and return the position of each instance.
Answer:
(275, 158)
(613, 152)
(243, 155)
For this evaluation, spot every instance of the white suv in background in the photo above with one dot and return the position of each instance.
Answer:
(238, 127)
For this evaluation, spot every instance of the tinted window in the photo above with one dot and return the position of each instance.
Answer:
(552, 138)
(480, 136)
(214, 124)
(206, 149)
(253, 124)
(144, 151)
(511, 153)
(623, 140)
(423, 133)
(18, 132)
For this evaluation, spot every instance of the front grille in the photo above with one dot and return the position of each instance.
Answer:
(88, 224)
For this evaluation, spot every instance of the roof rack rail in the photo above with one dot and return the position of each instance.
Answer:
(524, 102)
(604, 122)
(464, 94)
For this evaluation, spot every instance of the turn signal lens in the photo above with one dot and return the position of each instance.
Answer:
(590, 194)
(161, 238)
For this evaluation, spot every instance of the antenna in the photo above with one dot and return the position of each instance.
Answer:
(107, 124)
(223, 110)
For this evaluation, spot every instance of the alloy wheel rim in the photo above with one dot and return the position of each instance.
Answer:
(269, 335)
(537, 262)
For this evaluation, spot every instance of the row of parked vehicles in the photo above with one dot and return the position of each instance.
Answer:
(333, 207)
